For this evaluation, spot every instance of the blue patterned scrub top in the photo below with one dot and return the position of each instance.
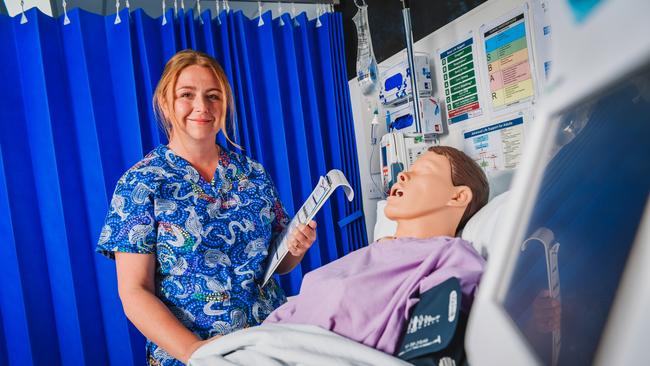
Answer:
(210, 239)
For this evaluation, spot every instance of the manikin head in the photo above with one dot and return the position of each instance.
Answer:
(443, 189)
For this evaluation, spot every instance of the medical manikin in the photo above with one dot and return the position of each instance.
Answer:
(367, 295)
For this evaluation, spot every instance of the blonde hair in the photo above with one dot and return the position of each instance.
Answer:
(164, 93)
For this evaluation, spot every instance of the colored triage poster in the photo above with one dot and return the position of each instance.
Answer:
(459, 77)
(496, 147)
(508, 64)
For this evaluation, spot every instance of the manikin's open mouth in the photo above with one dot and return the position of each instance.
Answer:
(396, 192)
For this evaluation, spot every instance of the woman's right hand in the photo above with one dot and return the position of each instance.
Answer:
(136, 287)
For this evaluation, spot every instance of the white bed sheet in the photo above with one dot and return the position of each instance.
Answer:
(288, 344)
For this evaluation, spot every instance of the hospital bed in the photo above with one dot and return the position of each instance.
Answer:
(289, 344)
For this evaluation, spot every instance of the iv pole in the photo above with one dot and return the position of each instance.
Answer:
(406, 13)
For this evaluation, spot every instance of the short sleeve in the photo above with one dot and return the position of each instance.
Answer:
(130, 224)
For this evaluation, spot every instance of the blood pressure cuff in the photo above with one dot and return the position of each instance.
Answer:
(436, 330)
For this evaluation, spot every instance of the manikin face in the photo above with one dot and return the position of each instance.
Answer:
(423, 190)
(199, 105)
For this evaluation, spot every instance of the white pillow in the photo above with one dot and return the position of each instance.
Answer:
(384, 225)
(481, 229)
(476, 228)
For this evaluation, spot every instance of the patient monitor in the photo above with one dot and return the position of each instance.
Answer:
(578, 227)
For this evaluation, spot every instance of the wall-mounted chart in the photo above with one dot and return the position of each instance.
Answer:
(460, 82)
(508, 61)
(496, 147)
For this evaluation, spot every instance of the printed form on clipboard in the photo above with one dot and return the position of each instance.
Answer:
(324, 189)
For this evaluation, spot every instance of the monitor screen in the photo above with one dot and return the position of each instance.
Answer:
(583, 222)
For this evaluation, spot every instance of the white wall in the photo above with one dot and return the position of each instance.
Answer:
(456, 31)
(13, 7)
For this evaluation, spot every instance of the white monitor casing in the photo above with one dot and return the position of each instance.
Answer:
(611, 43)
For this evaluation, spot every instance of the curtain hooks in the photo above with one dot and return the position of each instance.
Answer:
(164, 20)
(259, 11)
(198, 10)
(293, 15)
(66, 20)
(117, 12)
(280, 13)
(176, 7)
(226, 6)
(318, 14)
(23, 18)
(216, 5)
(183, 6)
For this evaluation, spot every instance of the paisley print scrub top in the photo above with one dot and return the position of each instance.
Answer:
(210, 239)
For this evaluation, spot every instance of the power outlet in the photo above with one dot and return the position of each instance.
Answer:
(374, 187)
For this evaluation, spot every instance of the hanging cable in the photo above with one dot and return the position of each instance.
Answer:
(373, 145)
(66, 20)
(23, 18)
(117, 12)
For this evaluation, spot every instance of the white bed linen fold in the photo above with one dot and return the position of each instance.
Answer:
(288, 344)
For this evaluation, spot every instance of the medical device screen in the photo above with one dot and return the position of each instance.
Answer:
(584, 218)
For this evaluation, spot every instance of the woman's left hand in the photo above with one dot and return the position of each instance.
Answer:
(302, 238)
(196, 345)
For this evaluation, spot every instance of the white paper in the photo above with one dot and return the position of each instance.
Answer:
(496, 147)
(508, 61)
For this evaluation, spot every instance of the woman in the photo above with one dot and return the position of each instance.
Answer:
(189, 225)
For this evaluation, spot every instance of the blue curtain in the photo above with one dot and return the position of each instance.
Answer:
(75, 113)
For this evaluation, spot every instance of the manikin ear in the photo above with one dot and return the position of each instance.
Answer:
(461, 198)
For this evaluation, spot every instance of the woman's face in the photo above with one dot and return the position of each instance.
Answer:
(199, 105)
